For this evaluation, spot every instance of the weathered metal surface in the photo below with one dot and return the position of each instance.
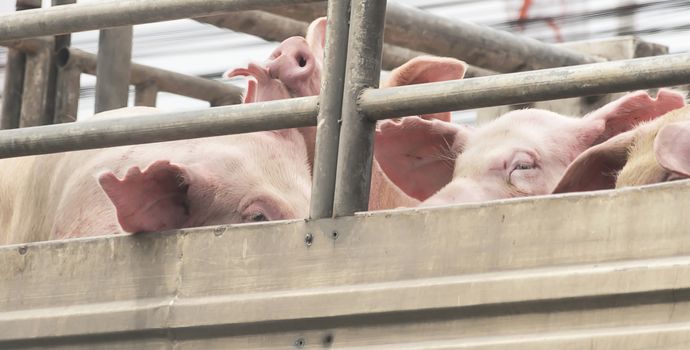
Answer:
(204, 89)
(330, 110)
(35, 109)
(67, 92)
(609, 270)
(81, 17)
(481, 46)
(146, 94)
(362, 71)
(216, 121)
(618, 48)
(113, 68)
(513, 88)
(275, 27)
(13, 89)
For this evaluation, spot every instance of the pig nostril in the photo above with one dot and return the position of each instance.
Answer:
(302, 62)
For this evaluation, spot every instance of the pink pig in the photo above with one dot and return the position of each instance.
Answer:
(522, 153)
(219, 180)
(294, 70)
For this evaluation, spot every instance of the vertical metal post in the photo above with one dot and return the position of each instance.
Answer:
(353, 176)
(112, 69)
(63, 82)
(145, 94)
(13, 89)
(331, 99)
(14, 78)
(67, 94)
(35, 97)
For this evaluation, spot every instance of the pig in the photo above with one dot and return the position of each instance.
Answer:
(231, 179)
(522, 153)
(294, 70)
(656, 151)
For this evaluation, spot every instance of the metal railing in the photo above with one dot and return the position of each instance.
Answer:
(350, 88)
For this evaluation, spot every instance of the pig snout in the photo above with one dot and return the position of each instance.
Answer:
(292, 62)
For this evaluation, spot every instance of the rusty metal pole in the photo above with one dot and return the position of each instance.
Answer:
(356, 144)
(331, 104)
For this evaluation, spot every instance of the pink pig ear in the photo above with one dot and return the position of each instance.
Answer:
(630, 110)
(427, 69)
(316, 37)
(672, 148)
(152, 200)
(418, 155)
(252, 85)
(597, 168)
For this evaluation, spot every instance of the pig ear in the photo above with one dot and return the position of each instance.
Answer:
(151, 200)
(427, 69)
(418, 155)
(252, 85)
(672, 148)
(316, 37)
(597, 167)
(630, 110)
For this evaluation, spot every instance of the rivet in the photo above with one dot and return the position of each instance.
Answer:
(327, 339)
(308, 239)
(299, 343)
(334, 235)
(22, 250)
(219, 231)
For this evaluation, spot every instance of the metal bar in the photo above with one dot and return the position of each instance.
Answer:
(99, 133)
(331, 103)
(281, 28)
(265, 25)
(478, 45)
(301, 12)
(58, 89)
(145, 95)
(547, 84)
(113, 68)
(168, 81)
(67, 94)
(34, 110)
(14, 77)
(82, 17)
(353, 176)
(13, 89)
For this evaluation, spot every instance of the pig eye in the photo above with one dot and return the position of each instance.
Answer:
(524, 166)
(256, 217)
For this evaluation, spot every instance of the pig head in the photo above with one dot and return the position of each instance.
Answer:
(151, 187)
(522, 153)
(294, 70)
(653, 152)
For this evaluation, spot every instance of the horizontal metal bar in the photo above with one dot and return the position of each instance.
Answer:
(216, 121)
(547, 84)
(482, 46)
(204, 89)
(273, 27)
(80, 17)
